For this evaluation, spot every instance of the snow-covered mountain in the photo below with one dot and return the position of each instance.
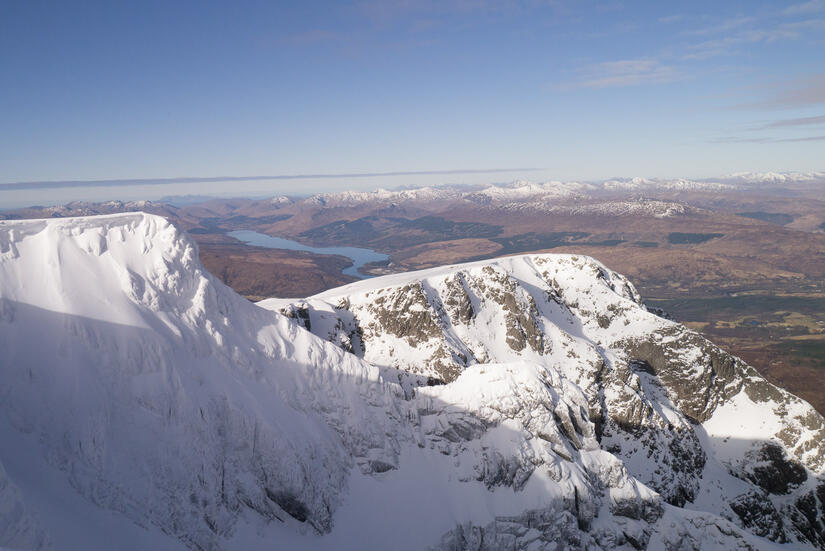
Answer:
(650, 184)
(521, 190)
(615, 197)
(773, 177)
(353, 198)
(521, 196)
(525, 402)
(637, 207)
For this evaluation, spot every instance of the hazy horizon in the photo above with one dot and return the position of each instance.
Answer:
(583, 90)
(51, 193)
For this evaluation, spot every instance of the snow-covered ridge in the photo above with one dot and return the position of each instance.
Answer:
(165, 396)
(639, 207)
(350, 198)
(524, 190)
(548, 196)
(678, 184)
(521, 190)
(555, 192)
(774, 177)
(523, 401)
(685, 418)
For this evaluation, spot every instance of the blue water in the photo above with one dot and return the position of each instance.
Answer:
(358, 256)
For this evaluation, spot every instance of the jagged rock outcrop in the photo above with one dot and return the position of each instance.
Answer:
(657, 393)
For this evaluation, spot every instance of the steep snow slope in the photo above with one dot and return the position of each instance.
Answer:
(166, 397)
(143, 404)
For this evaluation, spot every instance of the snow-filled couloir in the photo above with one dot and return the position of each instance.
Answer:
(523, 402)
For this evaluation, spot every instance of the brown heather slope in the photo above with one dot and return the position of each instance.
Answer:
(258, 273)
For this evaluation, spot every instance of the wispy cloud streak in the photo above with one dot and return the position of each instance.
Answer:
(738, 139)
(800, 93)
(801, 121)
(805, 8)
(627, 72)
(55, 184)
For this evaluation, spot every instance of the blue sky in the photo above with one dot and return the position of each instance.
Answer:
(582, 90)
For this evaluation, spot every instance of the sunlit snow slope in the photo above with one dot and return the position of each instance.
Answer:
(517, 403)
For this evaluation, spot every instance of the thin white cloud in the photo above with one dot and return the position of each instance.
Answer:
(801, 121)
(816, 24)
(813, 6)
(626, 72)
(738, 139)
(723, 26)
(384, 12)
(726, 45)
(668, 19)
(312, 36)
(56, 184)
(802, 92)
(729, 36)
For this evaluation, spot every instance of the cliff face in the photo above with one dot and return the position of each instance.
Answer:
(677, 410)
(525, 401)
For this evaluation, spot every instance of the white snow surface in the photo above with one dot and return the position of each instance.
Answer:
(774, 177)
(678, 184)
(143, 404)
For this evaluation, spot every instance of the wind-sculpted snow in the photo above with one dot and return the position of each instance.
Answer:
(526, 402)
(165, 396)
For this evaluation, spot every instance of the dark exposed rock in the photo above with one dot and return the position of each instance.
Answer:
(522, 326)
(677, 450)
(406, 313)
(769, 469)
(759, 515)
(300, 313)
(641, 366)
(661, 313)
(697, 395)
(763, 391)
(820, 494)
(539, 529)
(687, 461)
(805, 519)
(457, 301)
(637, 508)
(378, 466)
(289, 503)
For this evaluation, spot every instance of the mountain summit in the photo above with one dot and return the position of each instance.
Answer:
(523, 402)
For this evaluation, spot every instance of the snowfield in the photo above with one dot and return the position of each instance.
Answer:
(519, 403)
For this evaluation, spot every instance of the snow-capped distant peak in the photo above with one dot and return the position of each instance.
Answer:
(679, 184)
(639, 207)
(351, 198)
(774, 177)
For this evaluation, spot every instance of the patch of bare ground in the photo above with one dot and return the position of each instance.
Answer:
(258, 273)
(446, 252)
